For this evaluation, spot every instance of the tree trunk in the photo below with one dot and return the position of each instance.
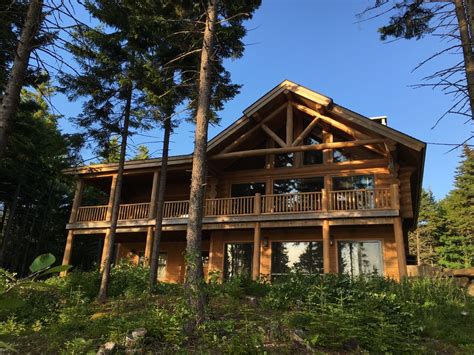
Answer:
(11, 97)
(10, 220)
(194, 272)
(160, 202)
(464, 17)
(104, 284)
(4, 216)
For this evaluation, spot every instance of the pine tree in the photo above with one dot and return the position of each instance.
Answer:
(212, 55)
(457, 244)
(424, 240)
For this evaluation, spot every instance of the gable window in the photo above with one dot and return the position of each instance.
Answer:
(314, 156)
(238, 260)
(247, 189)
(301, 257)
(284, 160)
(358, 258)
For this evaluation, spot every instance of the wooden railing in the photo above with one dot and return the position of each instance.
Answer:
(291, 203)
(347, 200)
(350, 200)
(91, 213)
(233, 206)
(134, 211)
(176, 209)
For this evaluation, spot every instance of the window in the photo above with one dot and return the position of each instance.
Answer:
(357, 258)
(205, 257)
(247, 189)
(284, 160)
(356, 182)
(162, 261)
(238, 260)
(314, 156)
(298, 185)
(301, 257)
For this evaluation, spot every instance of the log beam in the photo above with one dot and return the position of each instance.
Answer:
(301, 148)
(273, 135)
(247, 134)
(340, 126)
(306, 132)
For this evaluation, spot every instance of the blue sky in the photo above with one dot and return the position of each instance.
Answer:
(321, 45)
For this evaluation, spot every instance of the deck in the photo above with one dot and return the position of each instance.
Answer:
(377, 202)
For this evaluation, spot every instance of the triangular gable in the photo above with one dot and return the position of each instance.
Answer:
(314, 99)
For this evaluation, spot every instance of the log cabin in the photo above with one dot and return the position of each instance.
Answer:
(298, 183)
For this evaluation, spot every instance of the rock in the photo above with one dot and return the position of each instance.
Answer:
(470, 289)
(461, 281)
(139, 333)
(108, 348)
(252, 300)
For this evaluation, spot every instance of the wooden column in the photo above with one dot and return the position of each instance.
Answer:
(289, 124)
(400, 244)
(256, 251)
(395, 195)
(72, 218)
(326, 247)
(108, 217)
(151, 214)
(327, 153)
(68, 251)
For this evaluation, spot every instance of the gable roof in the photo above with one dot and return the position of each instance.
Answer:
(318, 99)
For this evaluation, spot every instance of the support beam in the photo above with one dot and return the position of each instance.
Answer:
(326, 247)
(301, 148)
(247, 134)
(273, 135)
(68, 251)
(256, 251)
(148, 245)
(306, 132)
(400, 245)
(289, 124)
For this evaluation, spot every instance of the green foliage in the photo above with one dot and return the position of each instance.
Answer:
(332, 313)
(457, 244)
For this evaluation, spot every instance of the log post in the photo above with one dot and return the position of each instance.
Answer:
(289, 124)
(256, 251)
(400, 245)
(326, 247)
(72, 218)
(324, 200)
(395, 197)
(257, 206)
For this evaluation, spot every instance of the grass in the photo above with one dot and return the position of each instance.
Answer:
(329, 313)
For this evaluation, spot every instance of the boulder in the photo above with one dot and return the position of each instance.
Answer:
(470, 289)
(108, 348)
(135, 337)
(139, 333)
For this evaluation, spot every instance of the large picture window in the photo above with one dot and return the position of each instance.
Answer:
(238, 260)
(301, 257)
(357, 258)
(354, 182)
(312, 156)
(247, 189)
(298, 185)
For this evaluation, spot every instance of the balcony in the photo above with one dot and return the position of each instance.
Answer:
(306, 205)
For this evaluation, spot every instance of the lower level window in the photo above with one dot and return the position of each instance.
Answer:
(162, 259)
(357, 258)
(301, 257)
(238, 260)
